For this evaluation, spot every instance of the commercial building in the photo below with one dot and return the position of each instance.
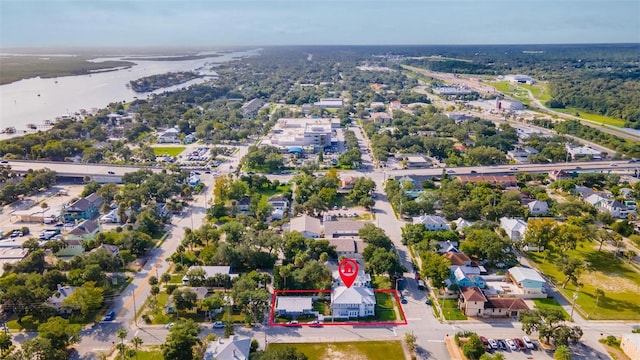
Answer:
(329, 103)
(519, 79)
(313, 134)
(630, 344)
(453, 90)
(578, 152)
(508, 104)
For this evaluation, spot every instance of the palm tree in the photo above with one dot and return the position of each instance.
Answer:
(599, 293)
(121, 334)
(562, 353)
(136, 342)
(5, 342)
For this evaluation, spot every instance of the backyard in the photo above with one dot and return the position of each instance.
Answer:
(365, 350)
(385, 307)
(619, 282)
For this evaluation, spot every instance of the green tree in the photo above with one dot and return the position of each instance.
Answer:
(87, 298)
(473, 348)
(183, 336)
(435, 268)
(166, 277)
(571, 268)
(5, 342)
(122, 334)
(562, 353)
(541, 232)
(598, 293)
(59, 332)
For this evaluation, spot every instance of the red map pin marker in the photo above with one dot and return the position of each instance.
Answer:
(348, 270)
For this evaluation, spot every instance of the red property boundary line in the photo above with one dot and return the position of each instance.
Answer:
(338, 323)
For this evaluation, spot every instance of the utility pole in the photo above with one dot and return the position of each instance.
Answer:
(135, 312)
(573, 305)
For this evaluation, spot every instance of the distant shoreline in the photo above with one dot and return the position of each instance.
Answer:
(16, 68)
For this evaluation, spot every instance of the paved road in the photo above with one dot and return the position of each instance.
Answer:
(483, 89)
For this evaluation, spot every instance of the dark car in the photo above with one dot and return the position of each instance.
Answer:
(502, 344)
(578, 168)
(403, 300)
(111, 172)
(428, 301)
(520, 344)
(110, 316)
(473, 172)
(4, 162)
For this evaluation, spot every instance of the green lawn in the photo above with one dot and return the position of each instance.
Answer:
(450, 309)
(620, 284)
(606, 120)
(550, 304)
(512, 90)
(322, 307)
(381, 282)
(385, 307)
(539, 91)
(371, 350)
(148, 355)
(168, 150)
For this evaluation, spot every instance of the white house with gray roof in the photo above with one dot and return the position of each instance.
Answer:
(432, 222)
(353, 302)
(234, 348)
(515, 228)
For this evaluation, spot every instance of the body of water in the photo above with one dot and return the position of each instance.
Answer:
(32, 101)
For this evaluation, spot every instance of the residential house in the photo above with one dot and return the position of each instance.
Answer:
(630, 344)
(529, 281)
(112, 250)
(604, 203)
(395, 105)
(353, 302)
(72, 248)
(189, 139)
(251, 107)
(57, 299)
(234, 348)
(111, 217)
(556, 175)
(350, 248)
(86, 230)
(465, 276)
(342, 228)
(169, 136)
(200, 291)
(277, 214)
(472, 301)
(243, 204)
(432, 222)
(537, 207)
(503, 307)
(626, 193)
(294, 305)
(515, 228)
(462, 223)
(458, 118)
(210, 271)
(447, 246)
(279, 203)
(407, 179)
(376, 105)
(381, 117)
(457, 258)
(308, 226)
(348, 182)
(362, 279)
(85, 208)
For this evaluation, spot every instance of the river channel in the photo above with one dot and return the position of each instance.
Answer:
(32, 101)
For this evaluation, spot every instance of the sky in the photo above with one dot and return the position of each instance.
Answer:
(112, 23)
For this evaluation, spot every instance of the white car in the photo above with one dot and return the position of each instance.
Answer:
(169, 326)
(493, 343)
(614, 164)
(513, 168)
(512, 345)
(528, 343)
(218, 325)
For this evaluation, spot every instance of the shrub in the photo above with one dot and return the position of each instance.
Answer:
(612, 341)
(171, 288)
(473, 348)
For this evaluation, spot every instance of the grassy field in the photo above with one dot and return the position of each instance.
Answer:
(385, 307)
(168, 150)
(513, 91)
(450, 309)
(381, 282)
(605, 120)
(550, 304)
(370, 350)
(149, 355)
(620, 284)
(15, 68)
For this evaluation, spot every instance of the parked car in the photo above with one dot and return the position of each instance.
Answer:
(293, 323)
(218, 325)
(520, 344)
(502, 344)
(493, 343)
(403, 300)
(428, 301)
(484, 340)
(110, 316)
(512, 345)
(528, 343)
(316, 323)
(169, 326)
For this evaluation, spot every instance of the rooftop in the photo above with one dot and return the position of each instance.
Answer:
(297, 304)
